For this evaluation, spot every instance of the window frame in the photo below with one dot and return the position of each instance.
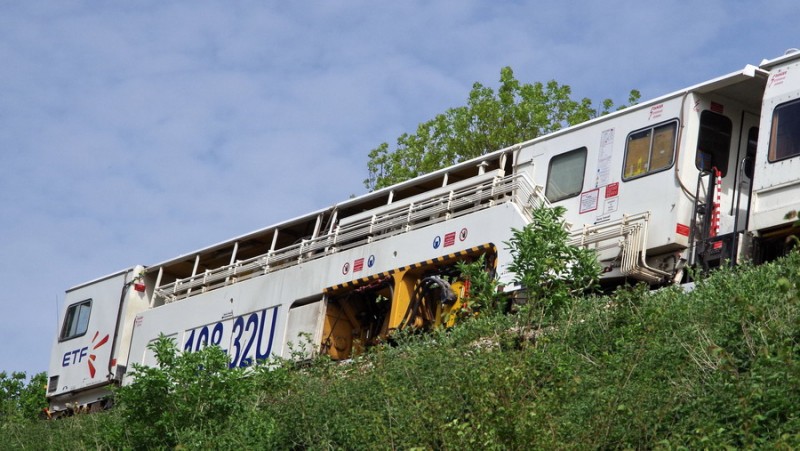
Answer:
(70, 318)
(652, 128)
(771, 150)
(564, 155)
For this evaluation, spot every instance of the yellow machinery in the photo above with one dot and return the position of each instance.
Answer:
(425, 295)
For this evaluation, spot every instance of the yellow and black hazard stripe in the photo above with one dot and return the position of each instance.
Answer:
(489, 249)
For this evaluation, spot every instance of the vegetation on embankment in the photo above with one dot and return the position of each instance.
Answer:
(716, 367)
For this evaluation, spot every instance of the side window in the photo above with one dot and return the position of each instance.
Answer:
(713, 142)
(784, 139)
(649, 150)
(77, 320)
(565, 175)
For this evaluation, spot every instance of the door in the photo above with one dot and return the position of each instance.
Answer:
(716, 156)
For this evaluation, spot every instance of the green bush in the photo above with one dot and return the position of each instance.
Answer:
(551, 272)
(186, 399)
(22, 399)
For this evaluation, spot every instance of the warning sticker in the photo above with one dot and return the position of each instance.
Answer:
(612, 190)
(450, 239)
(358, 265)
(612, 205)
(604, 158)
(589, 201)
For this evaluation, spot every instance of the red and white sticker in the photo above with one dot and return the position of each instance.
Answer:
(612, 190)
(778, 78)
(656, 111)
(589, 201)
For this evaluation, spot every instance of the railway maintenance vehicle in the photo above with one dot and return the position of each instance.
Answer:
(696, 178)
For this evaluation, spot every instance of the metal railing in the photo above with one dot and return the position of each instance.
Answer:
(441, 205)
(626, 239)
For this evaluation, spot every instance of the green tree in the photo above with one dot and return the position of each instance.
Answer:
(551, 272)
(491, 120)
(21, 399)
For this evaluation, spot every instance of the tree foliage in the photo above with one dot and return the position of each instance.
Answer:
(21, 399)
(490, 120)
(550, 271)
(482, 295)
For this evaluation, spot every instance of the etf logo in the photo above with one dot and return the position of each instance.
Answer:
(79, 355)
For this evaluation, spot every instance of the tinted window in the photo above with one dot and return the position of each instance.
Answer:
(649, 150)
(565, 175)
(785, 134)
(77, 320)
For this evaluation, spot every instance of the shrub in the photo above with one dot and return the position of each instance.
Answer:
(187, 398)
(21, 399)
(550, 271)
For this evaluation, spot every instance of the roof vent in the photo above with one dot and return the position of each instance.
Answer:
(790, 51)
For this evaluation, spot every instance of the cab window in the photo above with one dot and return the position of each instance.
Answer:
(76, 320)
(784, 139)
(649, 150)
(565, 175)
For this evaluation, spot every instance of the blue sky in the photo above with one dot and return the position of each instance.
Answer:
(134, 132)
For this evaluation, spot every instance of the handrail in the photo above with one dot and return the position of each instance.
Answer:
(388, 221)
(629, 235)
